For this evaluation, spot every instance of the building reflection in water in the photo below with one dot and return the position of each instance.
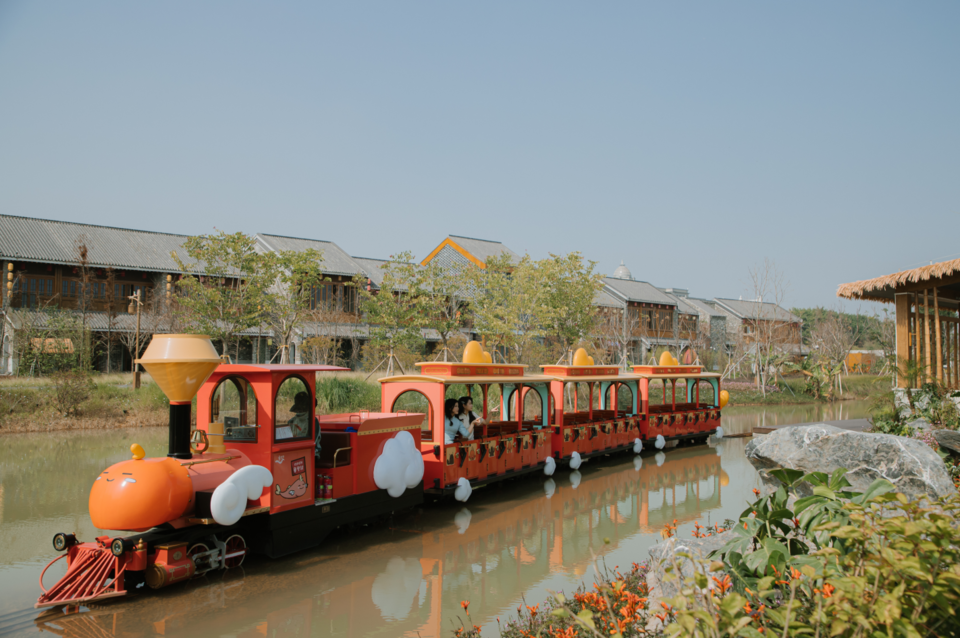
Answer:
(410, 580)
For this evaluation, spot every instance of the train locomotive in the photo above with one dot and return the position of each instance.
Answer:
(263, 473)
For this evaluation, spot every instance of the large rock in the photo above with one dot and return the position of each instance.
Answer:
(948, 440)
(911, 465)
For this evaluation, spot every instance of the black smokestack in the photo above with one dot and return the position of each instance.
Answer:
(180, 431)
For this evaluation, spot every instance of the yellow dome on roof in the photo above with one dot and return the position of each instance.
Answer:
(580, 357)
(473, 353)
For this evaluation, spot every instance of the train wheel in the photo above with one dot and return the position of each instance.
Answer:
(235, 552)
(195, 550)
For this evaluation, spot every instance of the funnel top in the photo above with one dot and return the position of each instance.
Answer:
(180, 363)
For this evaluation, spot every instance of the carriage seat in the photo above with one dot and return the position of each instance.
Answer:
(330, 442)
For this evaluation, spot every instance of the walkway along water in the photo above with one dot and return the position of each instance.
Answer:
(401, 578)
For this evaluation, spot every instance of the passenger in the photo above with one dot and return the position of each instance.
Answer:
(300, 421)
(452, 425)
(470, 419)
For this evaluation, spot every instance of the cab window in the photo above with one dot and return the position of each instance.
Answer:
(234, 404)
(293, 410)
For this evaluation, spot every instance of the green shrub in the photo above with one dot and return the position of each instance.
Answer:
(885, 566)
(71, 389)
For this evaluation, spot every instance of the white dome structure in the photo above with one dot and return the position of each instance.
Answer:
(622, 272)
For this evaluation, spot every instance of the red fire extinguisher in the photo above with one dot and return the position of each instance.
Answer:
(328, 487)
(318, 488)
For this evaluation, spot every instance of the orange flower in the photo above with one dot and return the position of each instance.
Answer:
(795, 573)
(756, 492)
(723, 584)
(464, 604)
(828, 590)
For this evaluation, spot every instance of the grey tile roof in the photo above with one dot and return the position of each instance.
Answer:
(638, 291)
(482, 249)
(606, 300)
(44, 240)
(335, 260)
(683, 306)
(96, 321)
(372, 268)
(704, 307)
(750, 308)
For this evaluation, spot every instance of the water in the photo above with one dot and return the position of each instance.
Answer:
(404, 578)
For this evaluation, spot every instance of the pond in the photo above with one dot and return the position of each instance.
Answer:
(405, 577)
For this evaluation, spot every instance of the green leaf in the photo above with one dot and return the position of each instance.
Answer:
(786, 475)
(878, 488)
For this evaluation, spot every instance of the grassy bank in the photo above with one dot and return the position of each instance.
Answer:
(793, 390)
(30, 405)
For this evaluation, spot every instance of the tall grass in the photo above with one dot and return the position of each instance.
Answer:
(336, 394)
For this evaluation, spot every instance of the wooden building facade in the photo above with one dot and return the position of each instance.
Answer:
(927, 303)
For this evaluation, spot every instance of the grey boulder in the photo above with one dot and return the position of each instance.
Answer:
(948, 440)
(912, 466)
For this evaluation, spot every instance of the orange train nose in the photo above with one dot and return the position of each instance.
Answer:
(139, 494)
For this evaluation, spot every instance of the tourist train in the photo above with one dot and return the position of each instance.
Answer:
(263, 473)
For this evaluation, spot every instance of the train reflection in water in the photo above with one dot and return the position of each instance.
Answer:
(409, 579)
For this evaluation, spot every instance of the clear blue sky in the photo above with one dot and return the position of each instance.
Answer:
(689, 139)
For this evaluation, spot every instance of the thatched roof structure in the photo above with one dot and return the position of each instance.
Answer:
(945, 276)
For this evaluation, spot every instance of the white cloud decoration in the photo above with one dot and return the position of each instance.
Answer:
(660, 442)
(550, 466)
(463, 491)
(719, 433)
(462, 520)
(549, 487)
(395, 589)
(575, 461)
(637, 446)
(230, 498)
(575, 478)
(400, 466)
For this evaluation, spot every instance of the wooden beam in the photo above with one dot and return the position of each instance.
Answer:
(903, 334)
(936, 324)
(920, 286)
(926, 337)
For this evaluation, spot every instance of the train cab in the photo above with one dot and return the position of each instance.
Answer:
(267, 412)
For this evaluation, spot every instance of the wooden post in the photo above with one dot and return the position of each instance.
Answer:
(926, 335)
(916, 335)
(956, 351)
(936, 324)
(903, 334)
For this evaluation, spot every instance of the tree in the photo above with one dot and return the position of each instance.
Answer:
(768, 334)
(441, 294)
(570, 287)
(228, 299)
(509, 304)
(392, 312)
(295, 274)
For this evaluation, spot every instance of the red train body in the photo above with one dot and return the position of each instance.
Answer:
(265, 474)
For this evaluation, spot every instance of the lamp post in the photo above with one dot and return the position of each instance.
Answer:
(135, 299)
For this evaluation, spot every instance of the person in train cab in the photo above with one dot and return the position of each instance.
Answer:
(467, 415)
(452, 425)
(300, 421)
